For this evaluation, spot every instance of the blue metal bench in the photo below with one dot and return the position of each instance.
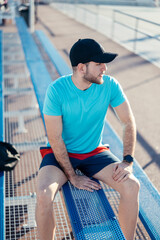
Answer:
(36, 66)
(83, 226)
(2, 229)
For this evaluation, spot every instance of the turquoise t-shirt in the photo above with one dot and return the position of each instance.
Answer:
(83, 112)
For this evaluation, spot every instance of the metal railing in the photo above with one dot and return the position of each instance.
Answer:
(134, 33)
(148, 3)
(135, 27)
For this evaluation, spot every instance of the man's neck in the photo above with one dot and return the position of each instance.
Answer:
(80, 83)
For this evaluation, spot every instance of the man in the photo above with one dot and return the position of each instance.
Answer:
(74, 110)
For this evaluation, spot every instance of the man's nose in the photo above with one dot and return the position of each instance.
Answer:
(104, 67)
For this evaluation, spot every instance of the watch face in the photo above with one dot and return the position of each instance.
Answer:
(128, 158)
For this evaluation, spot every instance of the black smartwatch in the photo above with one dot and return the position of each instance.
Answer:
(128, 158)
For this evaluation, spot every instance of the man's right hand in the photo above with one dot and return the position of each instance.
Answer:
(83, 182)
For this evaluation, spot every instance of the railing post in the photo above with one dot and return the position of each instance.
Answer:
(97, 18)
(31, 16)
(136, 33)
(113, 23)
(76, 9)
(157, 3)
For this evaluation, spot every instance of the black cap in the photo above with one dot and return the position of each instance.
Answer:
(87, 50)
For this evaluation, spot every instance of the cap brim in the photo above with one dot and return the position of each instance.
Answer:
(104, 58)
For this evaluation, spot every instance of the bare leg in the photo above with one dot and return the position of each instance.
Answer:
(50, 180)
(129, 193)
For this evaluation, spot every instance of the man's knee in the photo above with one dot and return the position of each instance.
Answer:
(131, 187)
(49, 181)
(45, 198)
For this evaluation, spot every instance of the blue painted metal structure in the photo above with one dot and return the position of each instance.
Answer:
(149, 196)
(1, 88)
(58, 62)
(35, 63)
(91, 214)
(2, 207)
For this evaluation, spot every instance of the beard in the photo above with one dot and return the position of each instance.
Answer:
(92, 79)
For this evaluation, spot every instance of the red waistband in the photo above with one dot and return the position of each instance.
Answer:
(82, 156)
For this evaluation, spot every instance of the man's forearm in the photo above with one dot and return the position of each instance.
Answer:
(62, 157)
(79, 181)
(129, 138)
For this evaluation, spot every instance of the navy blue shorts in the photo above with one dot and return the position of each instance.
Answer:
(89, 163)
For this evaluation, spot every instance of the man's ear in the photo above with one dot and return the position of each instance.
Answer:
(81, 68)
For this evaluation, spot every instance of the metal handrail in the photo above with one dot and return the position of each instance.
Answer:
(142, 19)
(136, 28)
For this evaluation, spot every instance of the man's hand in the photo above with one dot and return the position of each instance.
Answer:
(122, 171)
(83, 182)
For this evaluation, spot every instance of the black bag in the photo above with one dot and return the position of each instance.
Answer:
(9, 157)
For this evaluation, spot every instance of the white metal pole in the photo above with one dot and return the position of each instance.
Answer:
(31, 16)
(157, 3)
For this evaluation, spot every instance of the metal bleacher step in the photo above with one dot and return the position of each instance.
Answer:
(12, 91)
(12, 49)
(11, 62)
(30, 201)
(23, 112)
(12, 73)
(29, 146)
(21, 128)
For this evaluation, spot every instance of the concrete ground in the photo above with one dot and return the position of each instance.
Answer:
(138, 77)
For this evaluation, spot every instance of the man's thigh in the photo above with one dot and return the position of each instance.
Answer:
(50, 179)
(94, 164)
(106, 176)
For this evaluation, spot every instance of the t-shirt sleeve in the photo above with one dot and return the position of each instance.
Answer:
(52, 103)
(117, 94)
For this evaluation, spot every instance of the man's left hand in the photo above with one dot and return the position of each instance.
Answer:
(122, 171)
